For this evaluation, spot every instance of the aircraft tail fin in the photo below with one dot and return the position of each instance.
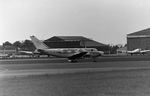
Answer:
(37, 43)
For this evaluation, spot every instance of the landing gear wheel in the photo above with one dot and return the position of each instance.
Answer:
(94, 59)
(72, 61)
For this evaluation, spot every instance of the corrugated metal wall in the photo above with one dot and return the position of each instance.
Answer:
(65, 44)
(139, 42)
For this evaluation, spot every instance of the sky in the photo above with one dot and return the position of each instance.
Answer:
(106, 21)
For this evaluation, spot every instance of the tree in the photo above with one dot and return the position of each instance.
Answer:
(113, 49)
(17, 45)
(27, 45)
(7, 43)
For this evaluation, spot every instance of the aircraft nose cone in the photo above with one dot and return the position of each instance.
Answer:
(96, 54)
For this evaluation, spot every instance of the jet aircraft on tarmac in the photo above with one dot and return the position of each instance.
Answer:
(73, 54)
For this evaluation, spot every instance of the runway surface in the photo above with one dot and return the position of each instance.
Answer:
(109, 76)
(22, 67)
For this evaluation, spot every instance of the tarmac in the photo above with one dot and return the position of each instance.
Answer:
(41, 66)
(109, 76)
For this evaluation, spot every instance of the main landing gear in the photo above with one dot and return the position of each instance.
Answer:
(72, 60)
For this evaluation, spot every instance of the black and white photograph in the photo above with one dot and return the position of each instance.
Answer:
(74, 48)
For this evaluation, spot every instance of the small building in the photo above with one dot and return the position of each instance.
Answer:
(74, 42)
(122, 50)
(140, 39)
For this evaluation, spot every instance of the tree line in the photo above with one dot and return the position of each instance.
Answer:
(25, 45)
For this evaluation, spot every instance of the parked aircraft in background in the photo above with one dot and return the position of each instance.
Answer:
(135, 51)
(144, 51)
(4, 55)
(30, 53)
(138, 51)
(71, 53)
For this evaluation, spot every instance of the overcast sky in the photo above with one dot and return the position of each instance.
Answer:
(107, 21)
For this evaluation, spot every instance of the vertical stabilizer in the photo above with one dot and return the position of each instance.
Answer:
(38, 44)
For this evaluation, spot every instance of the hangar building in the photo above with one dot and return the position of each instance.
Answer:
(73, 42)
(140, 39)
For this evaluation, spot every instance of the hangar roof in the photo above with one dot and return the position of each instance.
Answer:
(87, 41)
(142, 33)
(67, 38)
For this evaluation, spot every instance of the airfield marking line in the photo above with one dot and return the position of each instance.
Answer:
(34, 59)
(78, 63)
(3, 69)
(63, 71)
